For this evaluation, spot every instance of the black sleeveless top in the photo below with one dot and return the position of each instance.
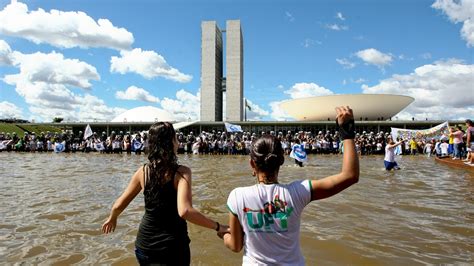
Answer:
(161, 227)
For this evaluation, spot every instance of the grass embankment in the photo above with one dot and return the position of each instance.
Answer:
(20, 129)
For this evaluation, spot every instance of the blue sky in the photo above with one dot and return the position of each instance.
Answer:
(61, 63)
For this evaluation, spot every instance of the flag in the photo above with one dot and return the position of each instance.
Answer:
(298, 153)
(59, 147)
(99, 146)
(436, 132)
(232, 128)
(136, 145)
(87, 132)
(247, 105)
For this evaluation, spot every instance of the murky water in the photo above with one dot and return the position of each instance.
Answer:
(52, 207)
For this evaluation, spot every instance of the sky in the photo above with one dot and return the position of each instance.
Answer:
(91, 60)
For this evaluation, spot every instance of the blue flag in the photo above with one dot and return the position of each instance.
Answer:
(136, 145)
(298, 153)
(232, 128)
(59, 147)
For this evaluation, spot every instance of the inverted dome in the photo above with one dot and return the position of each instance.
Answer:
(365, 106)
(144, 114)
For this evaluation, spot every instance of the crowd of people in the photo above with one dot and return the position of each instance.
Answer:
(238, 143)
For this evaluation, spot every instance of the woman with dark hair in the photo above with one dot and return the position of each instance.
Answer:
(162, 236)
(265, 218)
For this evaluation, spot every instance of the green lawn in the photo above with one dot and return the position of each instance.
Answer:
(20, 129)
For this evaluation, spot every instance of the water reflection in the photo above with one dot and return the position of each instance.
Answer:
(54, 204)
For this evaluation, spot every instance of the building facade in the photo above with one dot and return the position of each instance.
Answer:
(213, 82)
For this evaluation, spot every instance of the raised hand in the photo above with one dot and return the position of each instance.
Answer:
(344, 114)
(345, 122)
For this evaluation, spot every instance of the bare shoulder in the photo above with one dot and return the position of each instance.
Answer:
(184, 171)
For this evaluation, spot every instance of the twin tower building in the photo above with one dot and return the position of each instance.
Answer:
(214, 81)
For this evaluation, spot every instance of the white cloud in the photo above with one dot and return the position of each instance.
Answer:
(359, 80)
(374, 57)
(5, 53)
(149, 64)
(62, 29)
(344, 82)
(340, 16)
(53, 68)
(185, 107)
(309, 42)
(459, 11)
(256, 113)
(10, 110)
(44, 82)
(135, 93)
(300, 90)
(346, 63)
(289, 16)
(442, 90)
(336, 27)
(277, 112)
(426, 56)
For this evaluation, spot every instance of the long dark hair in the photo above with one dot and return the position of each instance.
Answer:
(267, 154)
(163, 162)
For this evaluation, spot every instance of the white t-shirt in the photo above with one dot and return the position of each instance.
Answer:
(389, 154)
(270, 218)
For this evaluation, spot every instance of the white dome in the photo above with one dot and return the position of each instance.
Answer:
(144, 114)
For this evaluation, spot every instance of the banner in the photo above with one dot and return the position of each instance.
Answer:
(4, 144)
(437, 132)
(87, 132)
(232, 128)
(298, 153)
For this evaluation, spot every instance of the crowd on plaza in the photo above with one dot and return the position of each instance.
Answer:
(237, 143)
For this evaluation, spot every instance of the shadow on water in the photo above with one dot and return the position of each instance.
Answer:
(56, 203)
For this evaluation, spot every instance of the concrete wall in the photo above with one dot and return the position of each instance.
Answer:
(211, 72)
(234, 71)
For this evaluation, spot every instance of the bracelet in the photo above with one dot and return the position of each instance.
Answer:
(347, 129)
(218, 226)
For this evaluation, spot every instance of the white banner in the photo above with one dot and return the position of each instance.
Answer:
(424, 134)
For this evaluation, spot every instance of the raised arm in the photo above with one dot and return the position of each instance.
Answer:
(185, 203)
(349, 175)
(132, 190)
(390, 146)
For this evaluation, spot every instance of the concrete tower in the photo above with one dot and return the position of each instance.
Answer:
(211, 72)
(212, 81)
(234, 69)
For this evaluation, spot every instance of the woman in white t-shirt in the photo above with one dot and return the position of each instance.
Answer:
(264, 219)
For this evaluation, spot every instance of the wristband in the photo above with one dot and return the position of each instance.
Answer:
(218, 226)
(347, 129)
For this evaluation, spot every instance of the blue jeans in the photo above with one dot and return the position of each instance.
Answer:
(457, 150)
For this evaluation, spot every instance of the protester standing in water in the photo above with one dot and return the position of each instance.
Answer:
(162, 236)
(389, 160)
(265, 218)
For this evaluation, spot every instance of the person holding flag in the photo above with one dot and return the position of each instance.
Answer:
(88, 132)
(298, 153)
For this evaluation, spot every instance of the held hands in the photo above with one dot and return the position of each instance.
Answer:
(109, 225)
(345, 122)
(224, 229)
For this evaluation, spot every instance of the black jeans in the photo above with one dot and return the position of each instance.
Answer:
(170, 256)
